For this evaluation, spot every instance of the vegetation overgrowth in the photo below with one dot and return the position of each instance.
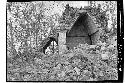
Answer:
(28, 26)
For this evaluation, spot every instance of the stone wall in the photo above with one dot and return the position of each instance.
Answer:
(77, 31)
(72, 42)
(95, 37)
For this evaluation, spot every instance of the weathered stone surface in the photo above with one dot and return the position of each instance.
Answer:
(105, 56)
(90, 25)
(62, 38)
(74, 41)
(62, 49)
(80, 32)
(77, 30)
(62, 41)
(95, 37)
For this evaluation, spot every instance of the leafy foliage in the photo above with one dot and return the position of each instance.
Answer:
(84, 63)
(105, 14)
(28, 25)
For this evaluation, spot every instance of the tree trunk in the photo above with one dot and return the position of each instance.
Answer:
(36, 40)
(11, 34)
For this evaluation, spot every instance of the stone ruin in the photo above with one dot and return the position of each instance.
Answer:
(82, 31)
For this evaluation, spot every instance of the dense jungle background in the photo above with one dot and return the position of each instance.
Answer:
(28, 26)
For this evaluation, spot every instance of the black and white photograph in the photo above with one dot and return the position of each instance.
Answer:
(64, 41)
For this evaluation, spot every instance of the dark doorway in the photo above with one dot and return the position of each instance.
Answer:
(52, 42)
(81, 31)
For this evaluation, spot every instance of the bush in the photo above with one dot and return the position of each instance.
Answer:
(82, 63)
